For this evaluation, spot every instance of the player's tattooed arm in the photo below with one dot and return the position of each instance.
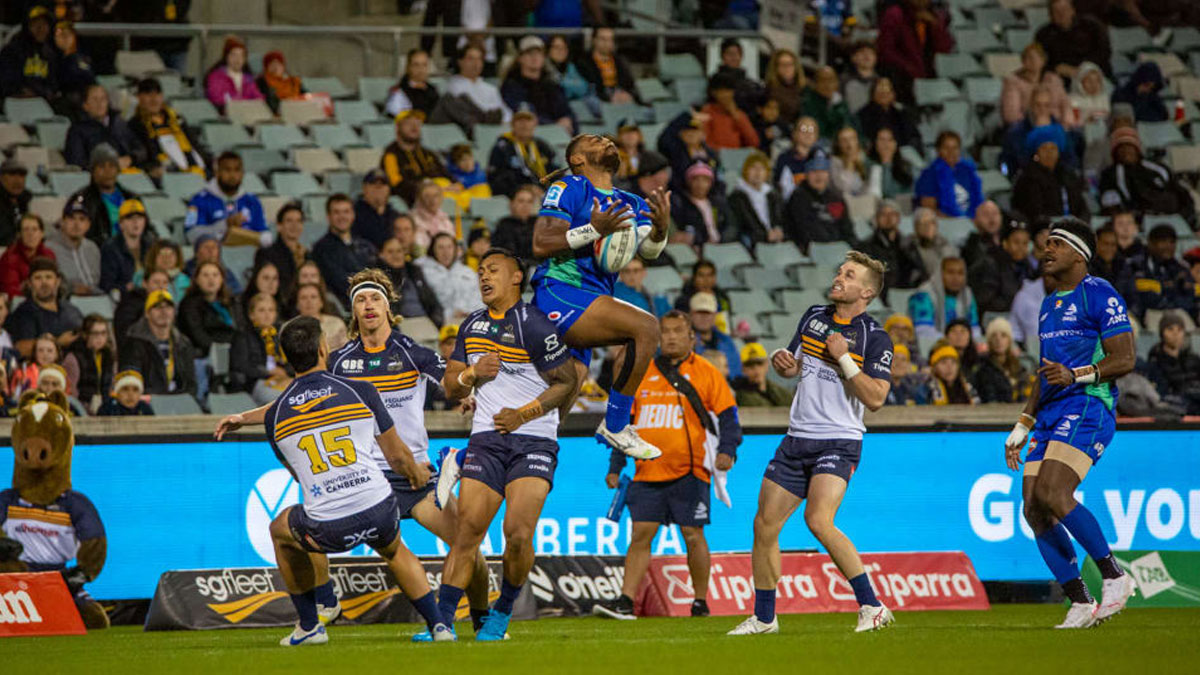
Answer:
(231, 423)
(561, 379)
(400, 458)
(552, 236)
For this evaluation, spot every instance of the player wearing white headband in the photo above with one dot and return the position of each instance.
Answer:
(1086, 344)
(401, 371)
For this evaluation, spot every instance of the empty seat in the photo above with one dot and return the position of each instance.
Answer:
(727, 256)
(553, 134)
(984, 90)
(53, 133)
(375, 89)
(138, 183)
(1002, 65)
(815, 278)
(229, 404)
(253, 184)
(12, 134)
(334, 136)
(222, 136)
(34, 157)
(182, 185)
(27, 110)
(1129, 40)
(164, 209)
(69, 182)
(783, 254)
(362, 160)
(766, 278)
(1170, 64)
(485, 136)
(995, 18)
(651, 89)
(281, 136)
(442, 137)
(1159, 134)
(897, 298)
(175, 404)
(1184, 157)
(491, 209)
(327, 85)
(263, 160)
(1017, 39)
(675, 66)
(957, 66)
(796, 302)
(613, 113)
(302, 111)
(48, 207)
(379, 134)
(421, 329)
(355, 112)
(977, 39)
(238, 259)
(994, 181)
(683, 255)
(295, 184)
(195, 110)
(138, 64)
(248, 112)
(94, 304)
(690, 90)
(663, 280)
(665, 111)
(934, 91)
(832, 252)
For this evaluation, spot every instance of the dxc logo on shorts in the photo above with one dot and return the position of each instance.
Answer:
(362, 537)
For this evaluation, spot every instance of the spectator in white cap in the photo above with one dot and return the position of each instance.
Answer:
(527, 86)
(126, 398)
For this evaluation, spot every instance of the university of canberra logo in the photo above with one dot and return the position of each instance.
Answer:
(273, 492)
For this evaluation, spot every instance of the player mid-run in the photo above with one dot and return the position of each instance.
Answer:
(327, 431)
(511, 357)
(843, 358)
(577, 294)
(1087, 343)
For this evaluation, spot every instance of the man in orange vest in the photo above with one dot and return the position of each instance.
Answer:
(684, 407)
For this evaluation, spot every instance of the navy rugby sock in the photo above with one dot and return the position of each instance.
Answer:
(508, 595)
(1086, 530)
(428, 608)
(448, 597)
(863, 591)
(764, 605)
(306, 607)
(620, 405)
(1059, 553)
(325, 595)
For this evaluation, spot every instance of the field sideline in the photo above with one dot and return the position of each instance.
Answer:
(1007, 639)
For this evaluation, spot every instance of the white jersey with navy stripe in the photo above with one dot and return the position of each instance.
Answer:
(824, 407)
(325, 428)
(528, 345)
(401, 371)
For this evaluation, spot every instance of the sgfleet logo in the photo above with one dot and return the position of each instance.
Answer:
(311, 396)
(273, 492)
(994, 510)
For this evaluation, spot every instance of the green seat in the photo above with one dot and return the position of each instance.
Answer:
(683, 255)
(781, 255)
(27, 111)
(816, 278)
(984, 90)
(727, 256)
(1160, 134)
(1017, 39)
(164, 209)
(663, 280)
(674, 66)
(175, 404)
(797, 302)
(334, 136)
(182, 185)
(229, 404)
(295, 184)
(830, 253)
(328, 85)
(690, 90)
(379, 134)
(195, 110)
(977, 40)
(934, 91)
(491, 209)
(374, 89)
(652, 89)
(553, 134)
(69, 182)
(221, 136)
(957, 66)
(766, 278)
(355, 112)
(665, 111)
(95, 304)
(282, 136)
(1130, 40)
(53, 133)
(263, 160)
(442, 137)
(137, 183)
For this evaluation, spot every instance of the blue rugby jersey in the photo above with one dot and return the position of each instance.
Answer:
(325, 428)
(823, 407)
(401, 371)
(570, 199)
(1071, 327)
(528, 345)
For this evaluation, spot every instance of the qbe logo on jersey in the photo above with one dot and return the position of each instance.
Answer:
(273, 492)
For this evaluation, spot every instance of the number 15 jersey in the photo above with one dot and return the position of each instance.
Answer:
(325, 429)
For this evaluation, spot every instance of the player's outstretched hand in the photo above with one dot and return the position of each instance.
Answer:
(507, 420)
(228, 424)
(608, 220)
(612, 480)
(1012, 455)
(1056, 373)
(784, 362)
(418, 475)
(660, 212)
(486, 368)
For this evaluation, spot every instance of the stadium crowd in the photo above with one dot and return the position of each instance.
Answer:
(120, 297)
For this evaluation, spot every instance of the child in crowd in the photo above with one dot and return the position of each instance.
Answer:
(909, 386)
(770, 128)
(463, 167)
(858, 81)
(258, 365)
(126, 397)
(948, 384)
(479, 240)
(45, 352)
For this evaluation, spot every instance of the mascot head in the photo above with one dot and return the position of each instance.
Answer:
(42, 440)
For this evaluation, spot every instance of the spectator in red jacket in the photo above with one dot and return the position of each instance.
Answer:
(910, 33)
(727, 125)
(17, 258)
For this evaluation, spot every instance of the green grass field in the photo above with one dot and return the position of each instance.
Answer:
(1009, 639)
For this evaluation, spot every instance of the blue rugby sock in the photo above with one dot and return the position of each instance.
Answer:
(863, 591)
(306, 607)
(325, 595)
(764, 605)
(1083, 526)
(1059, 553)
(448, 597)
(428, 608)
(508, 595)
(620, 405)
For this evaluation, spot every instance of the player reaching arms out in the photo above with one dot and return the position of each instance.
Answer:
(508, 354)
(327, 431)
(843, 358)
(1086, 343)
(576, 294)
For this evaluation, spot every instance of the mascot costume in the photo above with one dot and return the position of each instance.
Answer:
(44, 524)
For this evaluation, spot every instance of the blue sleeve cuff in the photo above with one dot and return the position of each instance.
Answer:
(554, 213)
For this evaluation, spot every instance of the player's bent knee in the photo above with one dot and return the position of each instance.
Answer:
(820, 524)
(765, 531)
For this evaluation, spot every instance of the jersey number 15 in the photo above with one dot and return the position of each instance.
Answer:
(339, 449)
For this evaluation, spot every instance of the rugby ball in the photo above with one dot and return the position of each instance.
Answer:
(612, 253)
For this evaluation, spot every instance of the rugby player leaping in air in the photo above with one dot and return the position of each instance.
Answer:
(576, 294)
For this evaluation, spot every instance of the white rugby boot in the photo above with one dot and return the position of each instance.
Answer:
(627, 441)
(448, 475)
(871, 617)
(1080, 615)
(752, 626)
(1113, 596)
(299, 637)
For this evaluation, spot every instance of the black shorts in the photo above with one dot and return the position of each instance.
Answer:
(406, 495)
(376, 527)
(683, 501)
(799, 459)
(496, 459)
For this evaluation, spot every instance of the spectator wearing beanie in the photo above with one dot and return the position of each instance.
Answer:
(126, 396)
(1163, 282)
(699, 211)
(230, 78)
(1046, 187)
(950, 183)
(1138, 184)
(276, 83)
(14, 199)
(815, 211)
(1172, 366)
